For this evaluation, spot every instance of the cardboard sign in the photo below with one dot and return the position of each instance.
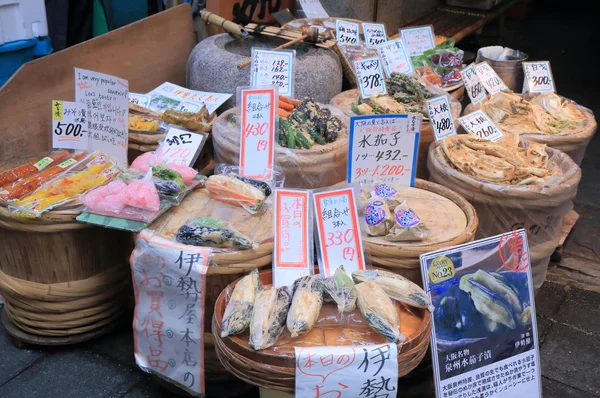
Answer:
(292, 246)
(347, 371)
(479, 124)
(489, 78)
(538, 77)
(273, 68)
(382, 149)
(338, 232)
(369, 77)
(346, 33)
(418, 39)
(181, 147)
(473, 85)
(169, 283)
(441, 117)
(107, 101)
(485, 337)
(257, 143)
(394, 57)
(69, 125)
(313, 9)
(139, 99)
(171, 96)
(374, 34)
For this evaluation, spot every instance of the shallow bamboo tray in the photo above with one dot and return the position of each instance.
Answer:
(274, 367)
(320, 166)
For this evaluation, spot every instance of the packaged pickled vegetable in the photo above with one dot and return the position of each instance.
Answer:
(268, 316)
(12, 175)
(239, 308)
(408, 226)
(234, 189)
(206, 231)
(377, 216)
(306, 305)
(340, 288)
(379, 311)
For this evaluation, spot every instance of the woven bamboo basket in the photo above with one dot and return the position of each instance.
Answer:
(274, 367)
(320, 166)
(539, 209)
(573, 142)
(344, 102)
(228, 266)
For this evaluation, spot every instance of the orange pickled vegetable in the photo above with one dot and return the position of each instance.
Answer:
(12, 175)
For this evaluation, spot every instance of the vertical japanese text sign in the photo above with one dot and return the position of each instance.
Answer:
(346, 33)
(293, 248)
(473, 85)
(257, 142)
(369, 77)
(489, 78)
(339, 238)
(538, 77)
(479, 123)
(394, 57)
(440, 115)
(374, 34)
(418, 39)
(273, 68)
(169, 282)
(69, 125)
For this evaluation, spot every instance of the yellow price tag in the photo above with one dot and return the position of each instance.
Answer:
(57, 110)
(441, 269)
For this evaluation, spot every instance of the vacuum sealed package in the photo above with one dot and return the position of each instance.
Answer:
(269, 316)
(25, 170)
(240, 304)
(306, 304)
(340, 289)
(212, 232)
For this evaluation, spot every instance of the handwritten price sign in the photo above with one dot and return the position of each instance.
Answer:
(479, 124)
(418, 39)
(347, 372)
(369, 77)
(394, 57)
(69, 125)
(473, 85)
(181, 147)
(441, 117)
(273, 68)
(538, 77)
(374, 34)
(489, 78)
(346, 33)
(139, 99)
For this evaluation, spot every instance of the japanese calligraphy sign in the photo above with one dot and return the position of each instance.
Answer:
(339, 238)
(369, 77)
(273, 68)
(346, 33)
(418, 39)
(171, 96)
(441, 117)
(313, 9)
(374, 34)
(293, 247)
(107, 101)
(538, 77)
(382, 148)
(139, 99)
(473, 85)
(485, 338)
(181, 147)
(257, 149)
(394, 57)
(479, 123)
(489, 78)
(347, 371)
(169, 284)
(69, 125)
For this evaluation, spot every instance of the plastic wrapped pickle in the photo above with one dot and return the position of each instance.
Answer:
(341, 289)
(379, 311)
(239, 308)
(268, 316)
(306, 305)
(408, 226)
(377, 216)
(396, 286)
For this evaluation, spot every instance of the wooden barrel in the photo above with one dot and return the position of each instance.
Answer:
(320, 166)
(274, 367)
(345, 100)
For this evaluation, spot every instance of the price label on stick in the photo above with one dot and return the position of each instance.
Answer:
(489, 78)
(441, 117)
(293, 249)
(394, 57)
(538, 77)
(338, 231)
(139, 99)
(374, 34)
(181, 147)
(473, 85)
(369, 77)
(257, 149)
(382, 148)
(346, 33)
(69, 125)
(418, 39)
(479, 124)
(273, 68)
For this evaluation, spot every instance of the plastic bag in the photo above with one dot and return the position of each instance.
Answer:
(440, 66)
(240, 304)
(27, 169)
(340, 288)
(206, 231)
(268, 316)
(306, 305)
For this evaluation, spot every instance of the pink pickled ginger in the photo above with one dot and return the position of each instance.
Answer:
(145, 161)
(142, 194)
(187, 173)
(107, 198)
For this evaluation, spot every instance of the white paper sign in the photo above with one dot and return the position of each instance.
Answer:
(257, 142)
(139, 99)
(441, 117)
(339, 235)
(473, 85)
(489, 78)
(374, 34)
(273, 68)
(479, 124)
(292, 247)
(394, 57)
(69, 125)
(347, 371)
(369, 77)
(181, 147)
(171, 96)
(382, 149)
(169, 283)
(538, 77)
(346, 33)
(313, 9)
(418, 39)
(107, 100)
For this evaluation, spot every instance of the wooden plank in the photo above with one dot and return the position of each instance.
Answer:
(568, 224)
(147, 53)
